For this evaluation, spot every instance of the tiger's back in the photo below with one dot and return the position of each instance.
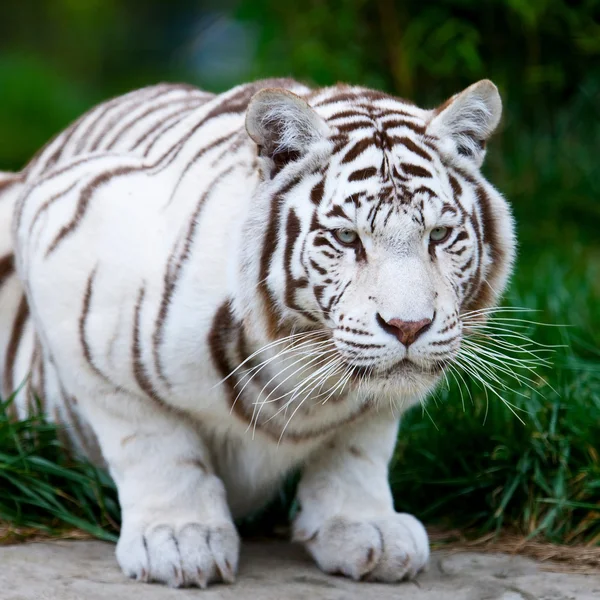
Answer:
(129, 125)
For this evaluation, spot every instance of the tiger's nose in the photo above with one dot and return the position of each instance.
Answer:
(406, 331)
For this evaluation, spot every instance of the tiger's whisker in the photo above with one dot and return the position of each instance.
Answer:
(261, 403)
(263, 365)
(267, 347)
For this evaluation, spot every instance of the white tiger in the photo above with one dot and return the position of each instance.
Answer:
(212, 291)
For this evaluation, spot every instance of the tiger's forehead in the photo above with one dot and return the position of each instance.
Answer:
(383, 164)
(368, 126)
(330, 102)
(351, 110)
(370, 164)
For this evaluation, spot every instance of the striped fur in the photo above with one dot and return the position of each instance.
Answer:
(178, 295)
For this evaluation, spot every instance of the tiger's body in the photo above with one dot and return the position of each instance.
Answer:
(184, 302)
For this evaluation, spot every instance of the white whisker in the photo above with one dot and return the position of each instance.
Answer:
(305, 350)
(496, 310)
(501, 365)
(469, 368)
(290, 338)
(322, 357)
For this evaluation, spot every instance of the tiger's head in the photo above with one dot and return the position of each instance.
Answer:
(374, 224)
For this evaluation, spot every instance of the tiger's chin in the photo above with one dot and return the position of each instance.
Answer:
(401, 385)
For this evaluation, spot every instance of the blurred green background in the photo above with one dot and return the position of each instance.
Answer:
(470, 466)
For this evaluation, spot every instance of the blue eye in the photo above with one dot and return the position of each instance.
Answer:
(348, 237)
(439, 234)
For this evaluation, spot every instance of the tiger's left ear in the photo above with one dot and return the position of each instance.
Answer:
(283, 126)
(464, 122)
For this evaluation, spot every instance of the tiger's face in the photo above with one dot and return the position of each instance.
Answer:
(387, 232)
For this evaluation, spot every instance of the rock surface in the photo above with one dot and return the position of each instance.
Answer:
(278, 571)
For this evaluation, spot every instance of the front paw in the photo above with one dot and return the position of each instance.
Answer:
(182, 555)
(389, 548)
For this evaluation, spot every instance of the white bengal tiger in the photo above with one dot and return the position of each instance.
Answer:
(212, 291)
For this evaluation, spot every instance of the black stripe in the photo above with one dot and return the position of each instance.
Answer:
(199, 154)
(362, 174)
(13, 346)
(109, 145)
(410, 145)
(166, 122)
(415, 170)
(84, 200)
(127, 104)
(175, 264)
(85, 311)
(269, 246)
(48, 203)
(139, 372)
(357, 149)
(292, 235)
(7, 267)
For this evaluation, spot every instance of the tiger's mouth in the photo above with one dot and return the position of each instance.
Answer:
(408, 366)
(403, 368)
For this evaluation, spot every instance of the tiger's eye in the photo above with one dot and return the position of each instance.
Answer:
(439, 234)
(347, 237)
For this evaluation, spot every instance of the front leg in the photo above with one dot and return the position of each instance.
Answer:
(347, 519)
(176, 525)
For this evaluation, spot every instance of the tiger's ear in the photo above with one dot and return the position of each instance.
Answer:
(283, 126)
(466, 120)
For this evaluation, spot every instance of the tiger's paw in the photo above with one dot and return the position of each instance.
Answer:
(389, 548)
(192, 554)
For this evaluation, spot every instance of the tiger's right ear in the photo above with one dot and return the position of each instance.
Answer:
(283, 126)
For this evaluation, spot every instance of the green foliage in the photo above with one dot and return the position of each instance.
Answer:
(473, 466)
(537, 51)
(42, 487)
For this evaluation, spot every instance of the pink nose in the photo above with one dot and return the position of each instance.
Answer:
(406, 331)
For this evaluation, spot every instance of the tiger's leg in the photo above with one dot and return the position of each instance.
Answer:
(347, 519)
(176, 525)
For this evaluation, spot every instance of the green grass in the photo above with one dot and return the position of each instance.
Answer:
(470, 465)
(42, 487)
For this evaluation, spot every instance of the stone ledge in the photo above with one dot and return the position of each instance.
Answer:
(87, 570)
